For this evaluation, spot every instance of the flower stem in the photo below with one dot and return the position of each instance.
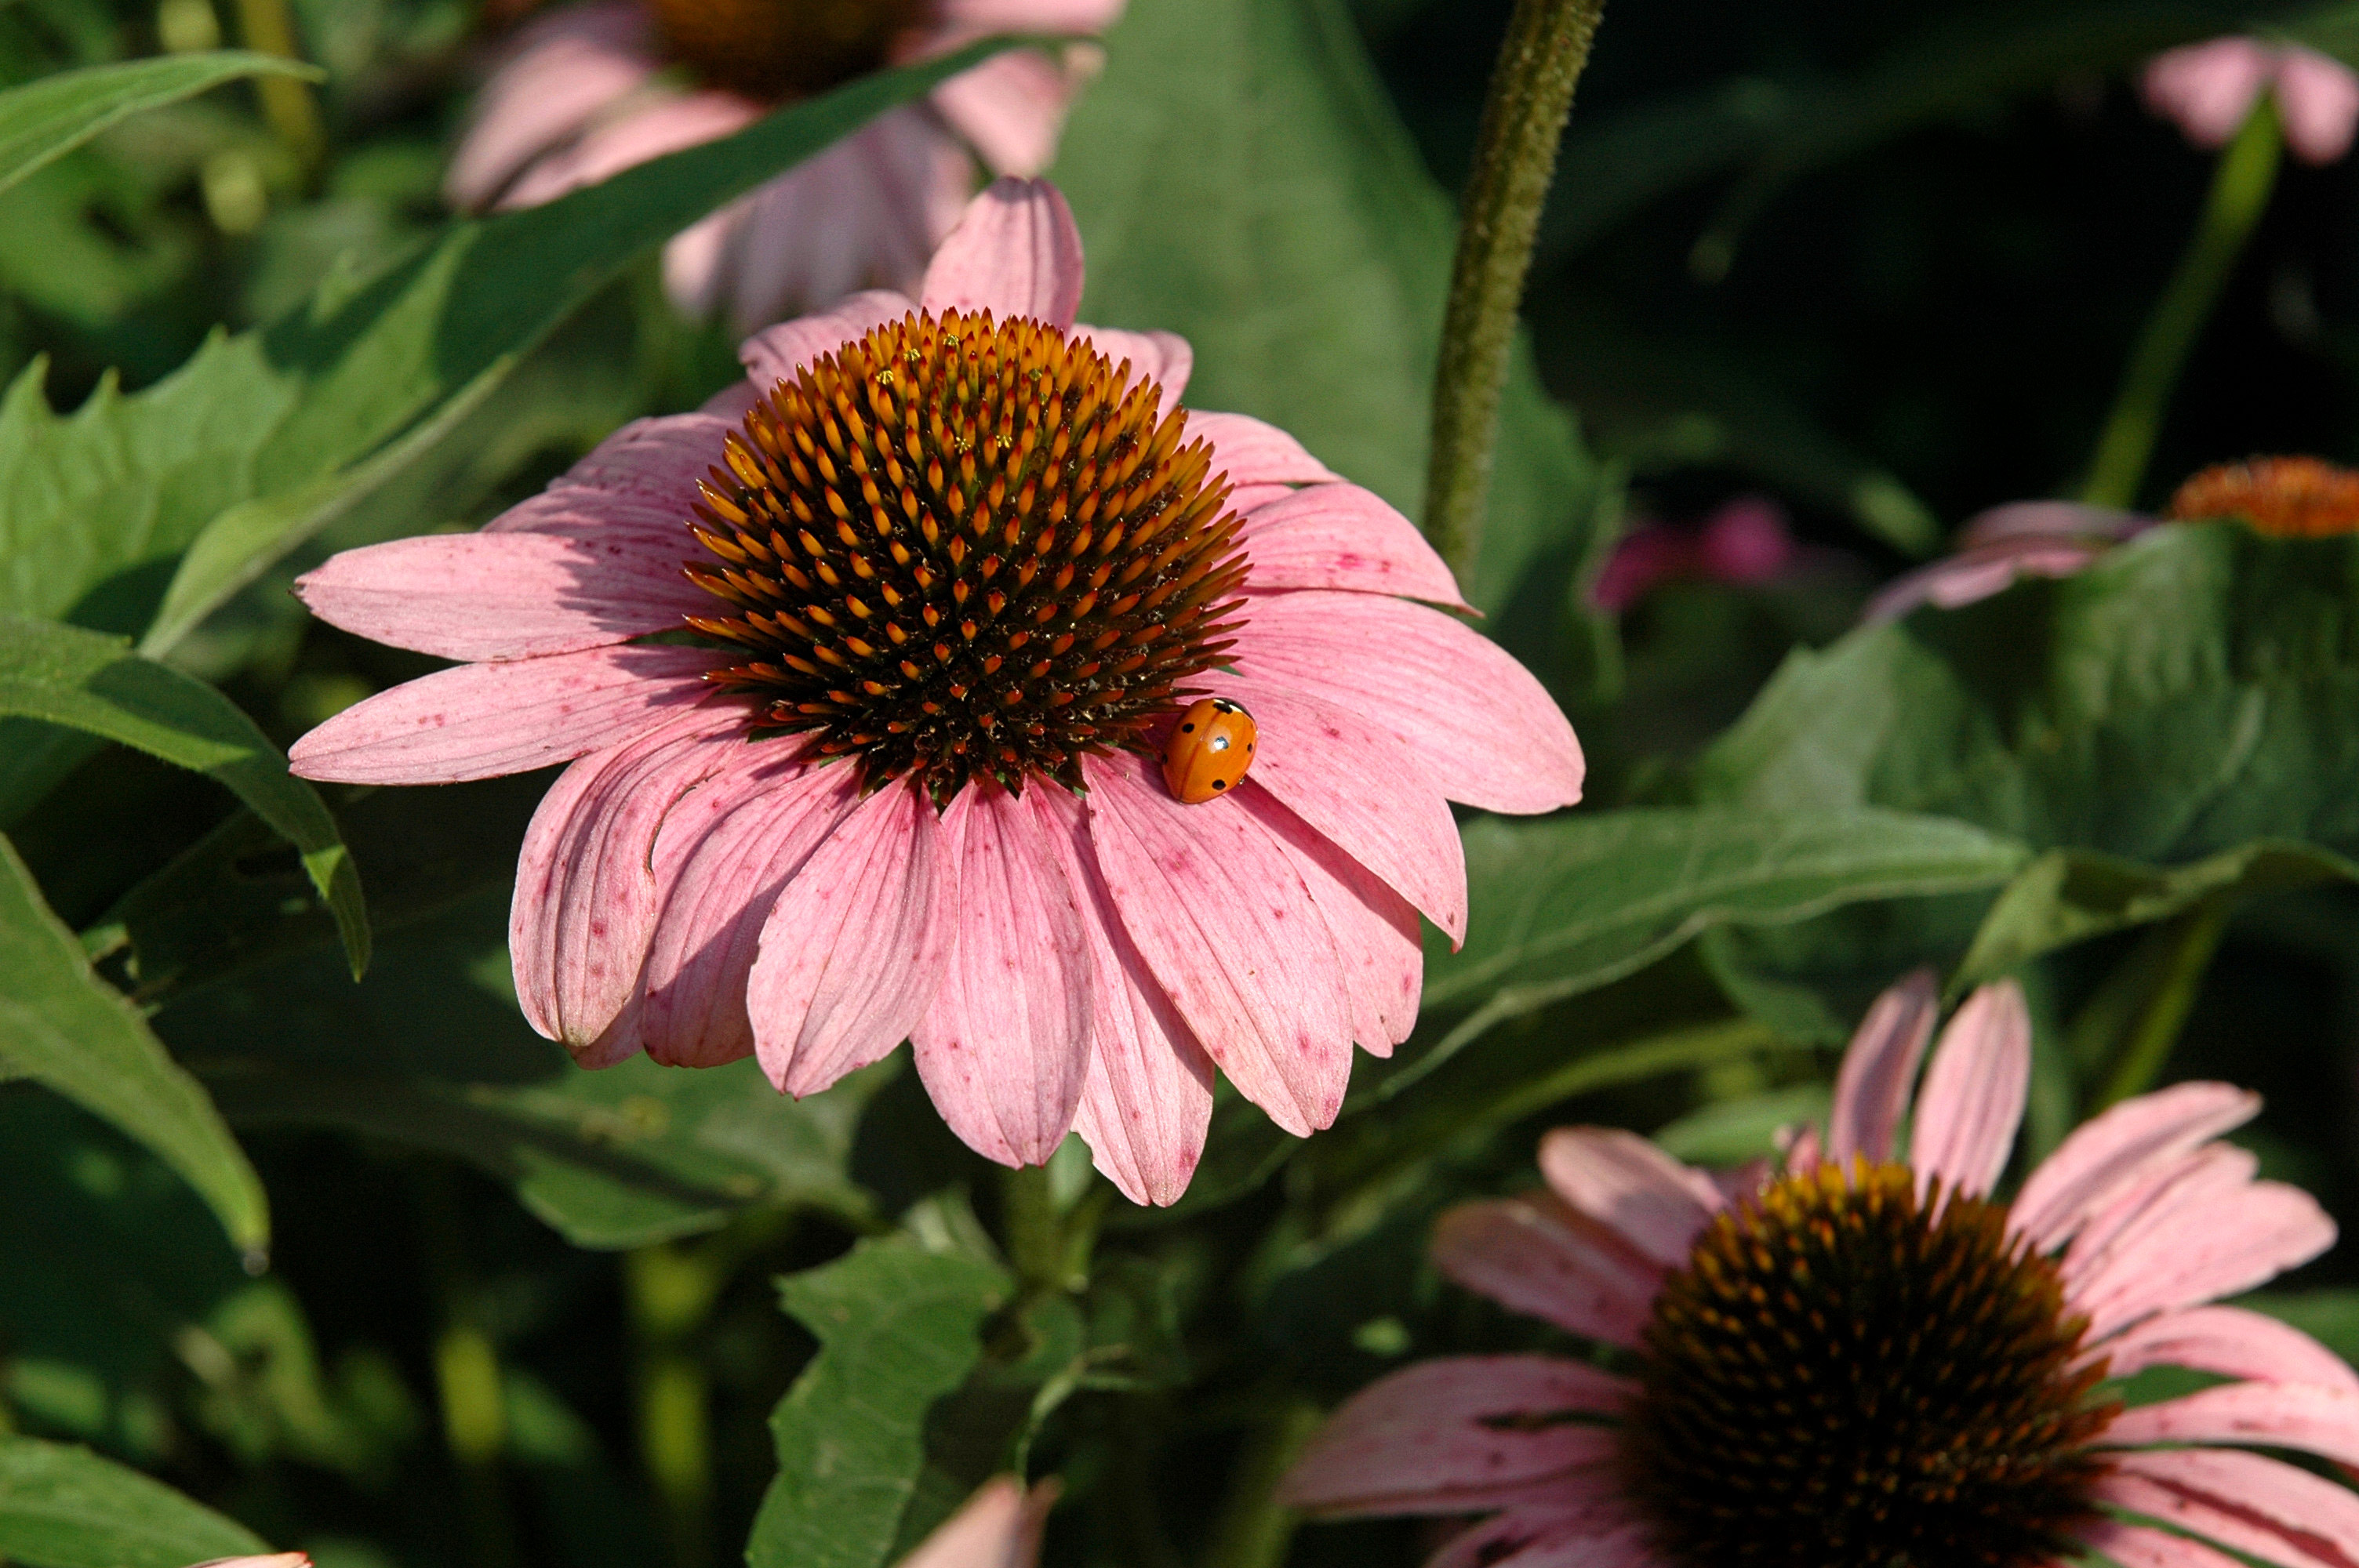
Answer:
(2168, 970)
(1515, 158)
(2240, 184)
(1254, 1528)
(287, 100)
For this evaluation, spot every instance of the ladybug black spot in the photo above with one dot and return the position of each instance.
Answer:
(1187, 729)
(1220, 784)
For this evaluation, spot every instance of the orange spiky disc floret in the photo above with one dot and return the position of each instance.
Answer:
(959, 547)
(775, 49)
(2290, 498)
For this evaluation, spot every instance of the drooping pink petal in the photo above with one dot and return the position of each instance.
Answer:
(586, 895)
(628, 140)
(1361, 786)
(999, 1527)
(479, 721)
(1483, 729)
(2324, 1421)
(1343, 537)
(2207, 88)
(1376, 934)
(2230, 1341)
(1006, 1046)
(1971, 575)
(2049, 519)
(782, 353)
(1442, 1437)
(1549, 1260)
(977, 18)
(2138, 1546)
(1622, 1180)
(564, 67)
(2318, 99)
(1254, 453)
(1016, 253)
(695, 275)
(856, 947)
(2103, 1155)
(1973, 1093)
(1009, 108)
(1872, 1089)
(1229, 929)
(503, 596)
(724, 856)
(2204, 1249)
(1166, 359)
(2293, 1505)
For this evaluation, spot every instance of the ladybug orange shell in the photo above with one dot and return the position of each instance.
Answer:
(1209, 750)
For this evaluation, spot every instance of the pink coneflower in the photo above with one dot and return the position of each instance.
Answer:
(1863, 1360)
(928, 611)
(2206, 90)
(2023, 538)
(1746, 541)
(591, 90)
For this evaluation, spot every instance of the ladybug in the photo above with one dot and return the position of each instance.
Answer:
(1209, 750)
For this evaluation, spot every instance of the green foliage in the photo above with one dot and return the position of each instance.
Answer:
(65, 1507)
(43, 121)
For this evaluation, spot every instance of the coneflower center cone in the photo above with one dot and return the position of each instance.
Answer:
(2290, 498)
(1841, 1377)
(960, 547)
(777, 50)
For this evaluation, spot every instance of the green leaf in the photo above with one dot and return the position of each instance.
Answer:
(1241, 179)
(63, 1025)
(261, 438)
(63, 1507)
(43, 121)
(93, 683)
(898, 1328)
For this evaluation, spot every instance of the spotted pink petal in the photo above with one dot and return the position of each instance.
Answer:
(2318, 98)
(2137, 1546)
(1375, 930)
(1872, 1089)
(1006, 1046)
(1227, 926)
(1166, 359)
(1483, 727)
(566, 67)
(855, 948)
(1444, 1436)
(2324, 1421)
(1622, 1180)
(1342, 536)
(1016, 253)
(1251, 451)
(2230, 1341)
(724, 854)
(479, 721)
(1973, 1094)
(2102, 1155)
(1549, 1260)
(586, 895)
(629, 140)
(504, 596)
(2292, 1509)
(784, 352)
(1009, 108)
(1361, 786)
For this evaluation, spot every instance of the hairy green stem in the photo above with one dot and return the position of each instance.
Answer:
(1515, 158)
(2240, 184)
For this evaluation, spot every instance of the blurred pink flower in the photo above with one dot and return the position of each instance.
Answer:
(2208, 89)
(1865, 1360)
(273, 1560)
(1746, 541)
(588, 90)
(999, 1527)
(2024, 538)
(952, 545)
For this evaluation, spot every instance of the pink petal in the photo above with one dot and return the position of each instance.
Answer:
(1227, 926)
(2324, 1421)
(2203, 1249)
(782, 353)
(1016, 253)
(2230, 1341)
(1442, 1437)
(1971, 575)
(999, 1527)
(1872, 1089)
(638, 482)
(664, 125)
(1627, 1547)
(1164, 357)
(479, 721)
(2136, 1546)
(732, 403)
(1253, 452)
(2102, 1155)
(1973, 1094)
(1375, 930)
(855, 948)
(724, 854)
(503, 596)
(2207, 88)
(2317, 97)
(1341, 536)
(1009, 108)
(980, 16)
(565, 67)
(2212, 1485)
(1485, 731)
(586, 895)
(1005, 1046)
(1622, 1180)
(2049, 519)
(1539, 1531)
(1360, 786)
(1541, 1258)
(695, 266)
(2216, 1170)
